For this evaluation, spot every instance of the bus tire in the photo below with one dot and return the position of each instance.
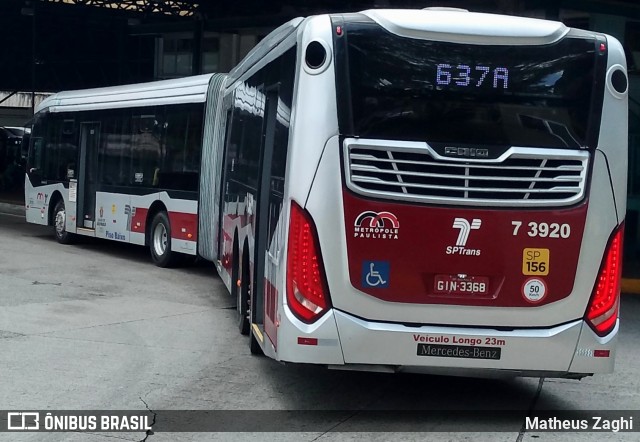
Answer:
(242, 300)
(60, 224)
(160, 241)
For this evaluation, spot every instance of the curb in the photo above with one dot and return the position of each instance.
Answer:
(12, 209)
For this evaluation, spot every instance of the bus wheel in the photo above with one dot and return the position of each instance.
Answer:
(242, 306)
(60, 224)
(160, 243)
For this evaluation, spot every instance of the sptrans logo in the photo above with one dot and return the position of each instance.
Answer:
(465, 227)
(376, 225)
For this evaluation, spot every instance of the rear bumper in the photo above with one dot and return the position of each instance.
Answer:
(568, 350)
(346, 342)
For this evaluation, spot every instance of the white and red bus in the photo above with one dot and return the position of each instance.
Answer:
(420, 190)
(121, 163)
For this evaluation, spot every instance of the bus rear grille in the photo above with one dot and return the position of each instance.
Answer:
(414, 172)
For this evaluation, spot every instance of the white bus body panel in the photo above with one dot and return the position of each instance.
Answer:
(123, 217)
(616, 121)
(119, 217)
(314, 95)
(310, 92)
(526, 350)
(37, 201)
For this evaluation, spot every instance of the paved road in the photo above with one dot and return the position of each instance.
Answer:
(96, 326)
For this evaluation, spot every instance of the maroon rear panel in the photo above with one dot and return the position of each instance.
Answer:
(424, 254)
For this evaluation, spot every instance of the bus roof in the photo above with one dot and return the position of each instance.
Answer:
(461, 26)
(176, 91)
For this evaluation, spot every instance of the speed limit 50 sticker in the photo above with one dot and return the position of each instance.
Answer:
(534, 290)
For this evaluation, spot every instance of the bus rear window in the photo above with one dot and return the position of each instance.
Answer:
(439, 92)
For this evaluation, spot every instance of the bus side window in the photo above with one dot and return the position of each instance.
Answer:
(36, 157)
(248, 118)
(145, 149)
(181, 149)
(62, 149)
(115, 154)
(68, 151)
(285, 75)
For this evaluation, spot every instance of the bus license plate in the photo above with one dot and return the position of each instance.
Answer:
(461, 285)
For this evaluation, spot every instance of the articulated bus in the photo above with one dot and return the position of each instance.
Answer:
(120, 163)
(429, 191)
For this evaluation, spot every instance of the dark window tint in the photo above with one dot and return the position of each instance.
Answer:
(181, 148)
(114, 155)
(141, 147)
(248, 132)
(245, 139)
(145, 147)
(35, 159)
(60, 159)
(281, 140)
(412, 89)
(152, 147)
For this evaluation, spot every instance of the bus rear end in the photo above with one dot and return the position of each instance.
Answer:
(468, 217)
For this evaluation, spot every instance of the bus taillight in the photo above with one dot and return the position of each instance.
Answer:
(602, 311)
(307, 292)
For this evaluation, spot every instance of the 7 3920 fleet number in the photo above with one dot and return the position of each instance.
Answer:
(543, 230)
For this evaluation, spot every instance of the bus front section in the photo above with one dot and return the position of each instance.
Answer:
(477, 189)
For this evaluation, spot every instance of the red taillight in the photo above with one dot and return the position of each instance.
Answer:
(602, 311)
(307, 293)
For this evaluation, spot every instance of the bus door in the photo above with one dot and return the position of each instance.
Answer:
(87, 178)
(261, 311)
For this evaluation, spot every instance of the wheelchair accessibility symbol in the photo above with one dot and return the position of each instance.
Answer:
(375, 274)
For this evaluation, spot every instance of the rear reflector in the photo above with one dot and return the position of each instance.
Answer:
(307, 341)
(602, 311)
(601, 353)
(307, 293)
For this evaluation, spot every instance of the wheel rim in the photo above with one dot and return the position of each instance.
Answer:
(160, 239)
(60, 222)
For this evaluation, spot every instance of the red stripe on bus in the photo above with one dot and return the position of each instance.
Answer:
(417, 256)
(184, 225)
(139, 220)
